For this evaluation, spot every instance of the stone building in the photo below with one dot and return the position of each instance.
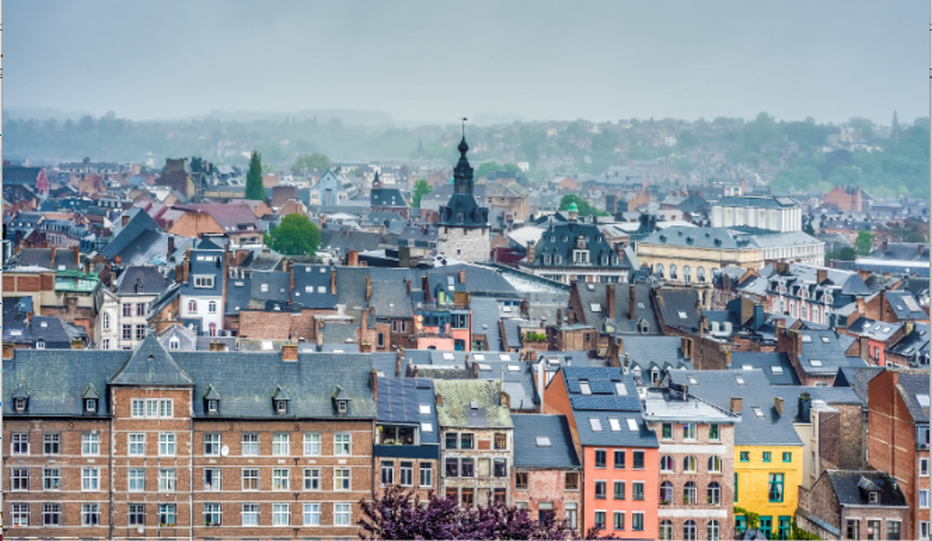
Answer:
(847, 504)
(463, 224)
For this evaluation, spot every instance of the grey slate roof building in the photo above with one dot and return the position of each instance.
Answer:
(544, 442)
(406, 418)
(632, 316)
(777, 367)
(471, 404)
(854, 488)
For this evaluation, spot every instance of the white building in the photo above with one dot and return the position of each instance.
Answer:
(772, 213)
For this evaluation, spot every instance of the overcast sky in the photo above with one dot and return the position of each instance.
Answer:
(437, 61)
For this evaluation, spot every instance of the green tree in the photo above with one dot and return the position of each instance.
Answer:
(254, 189)
(864, 126)
(808, 135)
(808, 229)
(864, 243)
(317, 160)
(295, 235)
(583, 206)
(489, 167)
(421, 188)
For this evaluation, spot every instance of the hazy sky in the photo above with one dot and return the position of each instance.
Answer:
(829, 59)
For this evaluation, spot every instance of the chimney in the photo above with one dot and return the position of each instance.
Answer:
(7, 351)
(438, 400)
(462, 276)
(909, 327)
(290, 352)
(805, 408)
(610, 300)
(77, 343)
(559, 317)
(632, 302)
(408, 284)
(29, 318)
(364, 322)
(374, 382)
(620, 344)
(290, 280)
(475, 370)
(399, 355)
(504, 400)
(530, 252)
(352, 258)
(217, 346)
(333, 281)
(778, 404)
(686, 346)
(171, 245)
(52, 257)
(319, 335)
(821, 275)
(368, 288)
(736, 404)
(883, 246)
(125, 220)
(77, 256)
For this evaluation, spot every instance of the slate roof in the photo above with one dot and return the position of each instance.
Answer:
(485, 320)
(911, 383)
(650, 351)
(777, 367)
(719, 238)
(915, 345)
(873, 329)
(755, 201)
(679, 307)
(149, 277)
(138, 223)
(531, 451)
(857, 379)
(854, 487)
(150, 364)
(308, 279)
(387, 197)
(905, 305)
(719, 386)
(902, 251)
(561, 239)
(623, 322)
(823, 352)
(458, 395)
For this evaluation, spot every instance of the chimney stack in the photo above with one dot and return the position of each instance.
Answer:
(399, 356)
(374, 382)
(736, 404)
(333, 281)
(778, 404)
(171, 245)
(7, 351)
(610, 300)
(52, 258)
(504, 400)
(821, 275)
(805, 408)
(77, 256)
(438, 400)
(290, 352)
(368, 288)
(530, 253)
(632, 302)
(462, 276)
(352, 258)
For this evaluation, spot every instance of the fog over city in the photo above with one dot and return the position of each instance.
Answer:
(491, 61)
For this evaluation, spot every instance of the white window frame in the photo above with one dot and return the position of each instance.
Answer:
(281, 479)
(312, 479)
(90, 444)
(341, 482)
(212, 444)
(250, 514)
(250, 478)
(342, 444)
(167, 444)
(281, 514)
(168, 480)
(136, 480)
(342, 514)
(311, 514)
(312, 442)
(281, 444)
(90, 479)
(203, 281)
(250, 444)
(20, 443)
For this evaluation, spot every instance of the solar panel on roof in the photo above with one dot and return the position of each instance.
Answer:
(601, 386)
(572, 385)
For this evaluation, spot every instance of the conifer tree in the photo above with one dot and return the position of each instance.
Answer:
(254, 189)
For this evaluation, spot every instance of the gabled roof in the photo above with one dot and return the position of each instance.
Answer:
(854, 487)
(857, 379)
(911, 384)
(150, 364)
(148, 277)
(543, 441)
(459, 397)
(777, 367)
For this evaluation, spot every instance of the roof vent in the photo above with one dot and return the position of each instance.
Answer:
(474, 405)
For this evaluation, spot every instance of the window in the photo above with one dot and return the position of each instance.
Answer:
(212, 514)
(250, 479)
(893, 529)
(140, 332)
(311, 478)
(212, 307)
(619, 492)
(690, 493)
(715, 464)
(637, 490)
(713, 432)
(639, 460)
(571, 481)
(151, 408)
(388, 472)
(137, 444)
(312, 444)
(923, 498)
(51, 514)
(619, 460)
(619, 520)
(250, 444)
(407, 474)
(714, 494)
(51, 444)
(689, 464)
(136, 514)
(689, 530)
(20, 443)
(600, 458)
(788, 456)
(714, 531)
(873, 529)
(775, 492)
(450, 441)
(51, 479)
(466, 441)
(667, 431)
(341, 514)
(452, 467)
(136, 480)
(167, 444)
(766, 456)
(167, 480)
(923, 466)
(281, 444)
(637, 520)
(281, 479)
(666, 531)
(600, 520)
(924, 529)
(312, 514)
(207, 281)
(174, 343)
(128, 310)
(521, 480)
(689, 432)
(426, 474)
(140, 309)
(281, 514)
(600, 490)
(467, 467)
(501, 441)
(211, 478)
(784, 527)
(570, 514)
(666, 493)
(766, 525)
(341, 444)
(745, 456)
(19, 479)
(341, 479)
(666, 463)
(853, 529)
(192, 308)
(90, 479)
(467, 497)
(105, 321)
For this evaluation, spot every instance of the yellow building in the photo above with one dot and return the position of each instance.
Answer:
(767, 478)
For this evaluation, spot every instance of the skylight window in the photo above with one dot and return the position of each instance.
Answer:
(448, 357)
(681, 313)
(595, 425)
(590, 287)
(825, 340)
(815, 362)
(621, 389)
(758, 412)
(504, 357)
(807, 338)
(542, 441)
(923, 400)
(692, 380)
(595, 307)
(514, 368)
(424, 409)
(746, 367)
(487, 367)
(479, 357)
(739, 380)
(427, 427)
(584, 387)
(614, 424)
(632, 425)
(776, 370)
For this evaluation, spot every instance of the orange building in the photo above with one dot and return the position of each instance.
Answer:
(619, 452)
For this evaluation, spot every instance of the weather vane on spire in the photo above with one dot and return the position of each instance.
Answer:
(464, 127)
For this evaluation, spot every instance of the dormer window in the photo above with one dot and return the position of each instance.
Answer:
(214, 405)
(19, 404)
(281, 406)
(873, 496)
(90, 405)
(174, 343)
(280, 401)
(342, 406)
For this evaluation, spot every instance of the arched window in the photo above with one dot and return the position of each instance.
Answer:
(689, 464)
(687, 274)
(658, 269)
(213, 329)
(105, 321)
(673, 274)
(713, 531)
(700, 274)
(715, 464)
(666, 493)
(666, 463)
(666, 531)
(192, 307)
(689, 493)
(714, 493)
(689, 530)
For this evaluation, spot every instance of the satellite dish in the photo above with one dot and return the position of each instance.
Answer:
(224, 451)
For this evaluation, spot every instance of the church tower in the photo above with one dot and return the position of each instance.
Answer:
(464, 225)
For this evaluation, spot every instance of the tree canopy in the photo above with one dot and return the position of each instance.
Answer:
(489, 167)
(421, 188)
(583, 206)
(254, 189)
(316, 161)
(864, 243)
(295, 235)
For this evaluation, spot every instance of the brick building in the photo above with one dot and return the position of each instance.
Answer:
(186, 444)
(846, 504)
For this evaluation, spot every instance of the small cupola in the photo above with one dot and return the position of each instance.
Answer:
(340, 401)
(212, 401)
(90, 400)
(280, 401)
(20, 400)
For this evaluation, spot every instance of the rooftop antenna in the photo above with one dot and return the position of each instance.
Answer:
(464, 127)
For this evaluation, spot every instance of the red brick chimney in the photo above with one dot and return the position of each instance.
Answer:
(333, 281)
(736, 404)
(52, 258)
(632, 302)
(374, 382)
(352, 258)
(462, 276)
(290, 352)
(778, 404)
(610, 300)
(7, 351)
(77, 256)
(821, 275)
(368, 288)
(530, 253)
